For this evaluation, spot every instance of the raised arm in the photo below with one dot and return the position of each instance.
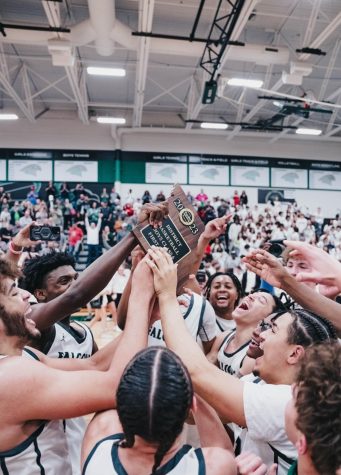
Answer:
(270, 269)
(213, 229)
(94, 278)
(221, 390)
(18, 242)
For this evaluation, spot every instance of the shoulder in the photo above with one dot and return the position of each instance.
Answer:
(219, 461)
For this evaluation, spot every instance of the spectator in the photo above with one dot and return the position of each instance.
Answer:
(201, 197)
(32, 195)
(146, 198)
(160, 197)
(114, 196)
(93, 212)
(26, 219)
(92, 231)
(64, 192)
(50, 190)
(243, 198)
(236, 199)
(75, 238)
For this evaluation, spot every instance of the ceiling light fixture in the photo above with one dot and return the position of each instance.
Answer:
(8, 117)
(254, 83)
(115, 72)
(213, 125)
(303, 131)
(277, 104)
(111, 120)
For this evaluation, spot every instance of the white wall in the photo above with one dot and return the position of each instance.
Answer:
(61, 133)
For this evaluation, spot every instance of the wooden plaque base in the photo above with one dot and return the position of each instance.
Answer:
(179, 232)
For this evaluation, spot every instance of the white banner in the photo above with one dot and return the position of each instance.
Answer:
(324, 180)
(166, 173)
(249, 176)
(3, 176)
(209, 175)
(30, 170)
(75, 170)
(289, 178)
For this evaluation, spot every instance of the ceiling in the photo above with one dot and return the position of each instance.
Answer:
(164, 82)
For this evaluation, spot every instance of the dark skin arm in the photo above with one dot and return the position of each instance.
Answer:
(94, 278)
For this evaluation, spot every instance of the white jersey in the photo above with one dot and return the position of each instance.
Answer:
(199, 318)
(264, 408)
(104, 460)
(69, 344)
(231, 362)
(43, 452)
(224, 325)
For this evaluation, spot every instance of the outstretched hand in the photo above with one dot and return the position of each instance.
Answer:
(250, 464)
(154, 213)
(216, 227)
(266, 266)
(143, 277)
(326, 269)
(164, 270)
(22, 238)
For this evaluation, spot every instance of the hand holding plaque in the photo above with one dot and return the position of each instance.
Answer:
(179, 233)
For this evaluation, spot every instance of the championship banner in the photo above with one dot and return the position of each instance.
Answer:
(179, 233)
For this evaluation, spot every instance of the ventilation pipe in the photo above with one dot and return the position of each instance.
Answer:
(104, 30)
(102, 18)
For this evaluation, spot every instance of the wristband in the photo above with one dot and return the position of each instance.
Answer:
(11, 249)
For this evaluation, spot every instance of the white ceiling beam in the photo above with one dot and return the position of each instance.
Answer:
(76, 79)
(27, 89)
(7, 86)
(311, 23)
(146, 13)
(167, 92)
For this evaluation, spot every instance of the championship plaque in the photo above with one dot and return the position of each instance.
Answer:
(179, 233)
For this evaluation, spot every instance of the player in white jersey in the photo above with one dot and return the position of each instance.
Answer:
(230, 348)
(223, 290)
(199, 317)
(33, 392)
(260, 408)
(47, 277)
(154, 398)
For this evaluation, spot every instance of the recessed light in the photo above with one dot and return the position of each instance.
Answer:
(213, 125)
(8, 117)
(116, 72)
(255, 83)
(111, 120)
(303, 131)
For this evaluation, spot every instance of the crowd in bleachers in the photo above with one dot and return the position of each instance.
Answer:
(105, 219)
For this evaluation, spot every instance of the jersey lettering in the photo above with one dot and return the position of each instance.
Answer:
(156, 333)
(70, 354)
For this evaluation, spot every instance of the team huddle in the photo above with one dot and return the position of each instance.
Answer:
(208, 381)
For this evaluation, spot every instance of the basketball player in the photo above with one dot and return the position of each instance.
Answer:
(33, 392)
(230, 348)
(260, 408)
(223, 291)
(313, 416)
(142, 437)
(196, 310)
(154, 398)
(47, 277)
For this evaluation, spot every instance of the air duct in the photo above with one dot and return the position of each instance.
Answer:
(102, 18)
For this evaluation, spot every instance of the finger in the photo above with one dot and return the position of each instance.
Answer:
(254, 464)
(188, 291)
(262, 470)
(309, 277)
(151, 264)
(273, 469)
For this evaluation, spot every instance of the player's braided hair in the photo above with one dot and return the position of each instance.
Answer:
(233, 277)
(308, 328)
(153, 399)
